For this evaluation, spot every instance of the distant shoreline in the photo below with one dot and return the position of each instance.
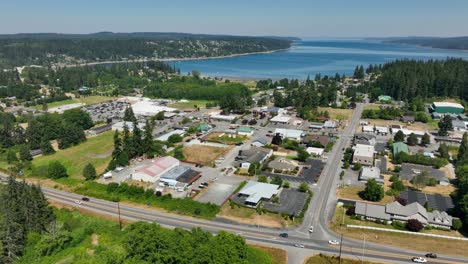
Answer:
(176, 59)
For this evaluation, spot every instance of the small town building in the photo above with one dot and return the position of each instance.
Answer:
(364, 139)
(255, 192)
(381, 130)
(368, 129)
(119, 126)
(448, 108)
(166, 136)
(245, 131)
(153, 171)
(316, 126)
(280, 119)
(407, 119)
(371, 173)
(364, 154)
(330, 124)
(384, 98)
(289, 133)
(281, 164)
(180, 177)
(259, 142)
(254, 155)
(315, 151)
(204, 127)
(323, 140)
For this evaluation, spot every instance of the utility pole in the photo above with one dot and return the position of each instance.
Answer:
(118, 208)
(341, 244)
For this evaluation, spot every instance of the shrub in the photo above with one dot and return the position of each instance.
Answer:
(303, 187)
(456, 224)
(398, 225)
(351, 210)
(56, 170)
(414, 225)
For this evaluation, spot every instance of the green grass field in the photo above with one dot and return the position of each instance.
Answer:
(190, 104)
(324, 259)
(89, 100)
(94, 150)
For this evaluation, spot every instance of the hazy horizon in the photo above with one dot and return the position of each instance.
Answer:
(301, 18)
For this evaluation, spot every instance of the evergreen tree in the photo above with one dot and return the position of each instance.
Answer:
(444, 151)
(425, 140)
(462, 157)
(127, 142)
(399, 136)
(412, 140)
(123, 159)
(117, 145)
(56, 170)
(89, 172)
(445, 125)
(373, 191)
(11, 156)
(46, 147)
(25, 153)
(129, 115)
(148, 139)
(136, 142)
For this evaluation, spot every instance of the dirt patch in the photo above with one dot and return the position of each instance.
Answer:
(337, 113)
(279, 256)
(249, 216)
(99, 156)
(203, 154)
(48, 183)
(380, 122)
(95, 240)
(438, 189)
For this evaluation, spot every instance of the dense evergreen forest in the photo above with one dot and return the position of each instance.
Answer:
(408, 79)
(48, 49)
(440, 43)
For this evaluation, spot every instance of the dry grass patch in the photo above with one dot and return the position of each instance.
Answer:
(224, 138)
(438, 189)
(203, 154)
(352, 193)
(249, 216)
(337, 113)
(279, 256)
(381, 122)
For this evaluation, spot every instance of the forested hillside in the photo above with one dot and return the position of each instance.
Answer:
(46, 49)
(408, 79)
(440, 43)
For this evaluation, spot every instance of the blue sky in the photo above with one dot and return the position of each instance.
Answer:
(303, 18)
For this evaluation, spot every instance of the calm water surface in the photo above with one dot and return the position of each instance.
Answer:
(310, 57)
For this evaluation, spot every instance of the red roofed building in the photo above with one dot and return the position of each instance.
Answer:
(153, 171)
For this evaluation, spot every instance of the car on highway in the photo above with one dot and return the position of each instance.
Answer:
(333, 242)
(419, 260)
(85, 199)
(205, 183)
(78, 202)
(311, 229)
(201, 186)
(283, 235)
(431, 255)
(299, 245)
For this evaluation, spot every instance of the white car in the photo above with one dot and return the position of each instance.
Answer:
(419, 260)
(78, 202)
(299, 245)
(311, 229)
(333, 242)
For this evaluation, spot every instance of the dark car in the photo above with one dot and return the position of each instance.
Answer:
(431, 255)
(283, 235)
(86, 199)
(205, 183)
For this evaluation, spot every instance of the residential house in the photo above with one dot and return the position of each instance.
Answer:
(396, 212)
(259, 142)
(254, 155)
(433, 201)
(407, 119)
(409, 171)
(330, 124)
(364, 154)
(245, 131)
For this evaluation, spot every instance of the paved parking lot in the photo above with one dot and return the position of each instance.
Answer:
(219, 190)
(291, 202)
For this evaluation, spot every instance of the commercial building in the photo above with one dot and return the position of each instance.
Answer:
(447, 108)
(289, 133)
(180, 177)
(330, 124)
(254, 155)
(245, 131)
(315, 151)
(364, 154)
(166, 136)
(153, 171)
(279, 119)
(254, 192)
(119, 126)
(323, 140)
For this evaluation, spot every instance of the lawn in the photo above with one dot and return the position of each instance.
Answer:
(95, 150)
(324, 259)
(88, 100)
(189, 105)
(278, 255)
(224, 139)
(414, 242)
(352, 193)
(203, 154)
(380, 122)
(337, 113)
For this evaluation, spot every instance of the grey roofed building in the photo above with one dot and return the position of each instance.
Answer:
(259, 142)
(254, 192)
(380, 147)
(252, 155)
(372, 211)
(459, 125)
(371, 173)
(395, 211)
(434, 201)
(409, 171)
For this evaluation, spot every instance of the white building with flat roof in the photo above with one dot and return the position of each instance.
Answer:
(315, 151)
(364, 154)
(281, 119)
(289, 133)
(257, 191)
